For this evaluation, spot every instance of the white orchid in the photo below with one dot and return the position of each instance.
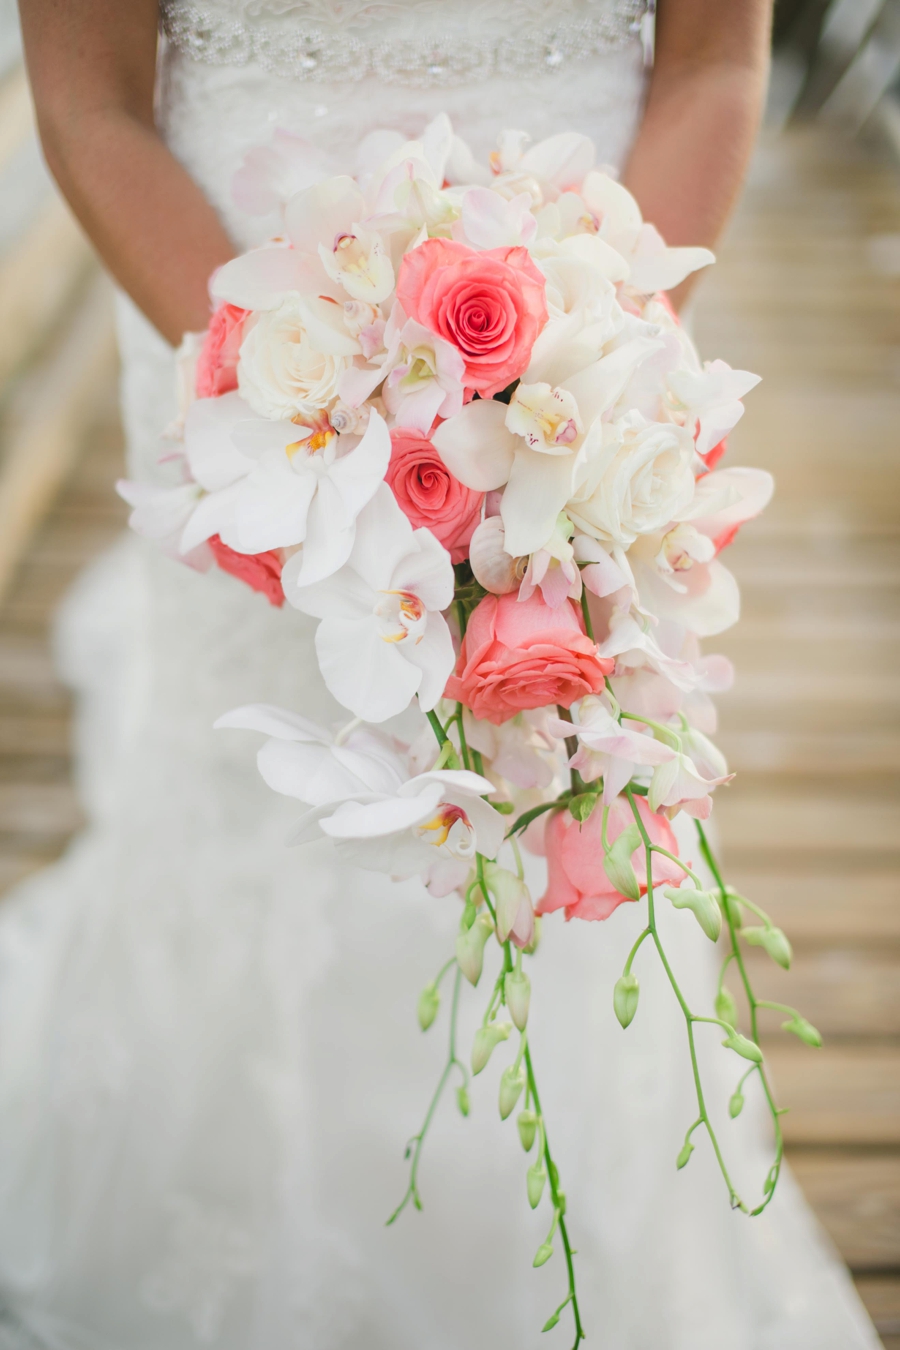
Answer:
(423, 375)
(678, 785)
(488, 220)
(300, 759)
(635, 647)
(160, 513)
(296, 488)
(329, 220)
(431, 826)
(710, 400)
(608, 749)
(382, 639)
(271, 174)
(652, 266)
(553, 569)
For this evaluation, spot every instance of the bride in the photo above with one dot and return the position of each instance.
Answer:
(208, 1053)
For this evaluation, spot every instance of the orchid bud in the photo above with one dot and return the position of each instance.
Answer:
(726, 1008)
(512, 1082)
(513, 901)
(703, 905)
(493, 568)
(773, 940)
(736, 1104)
(517, 988)
(486, 1041)
(462, 1101)
(470, 947)
(617, 863)
(684, 1155)
(531, 947)
(741, 1046)
(535, 1180)
(625, 999)
(429, 1002)
(805, 1030)
(526, 1123)
(543, 1254)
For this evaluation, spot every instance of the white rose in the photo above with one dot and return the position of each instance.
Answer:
(293, 356)
(636, 477)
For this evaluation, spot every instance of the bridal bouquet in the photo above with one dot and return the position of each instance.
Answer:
(448, 412)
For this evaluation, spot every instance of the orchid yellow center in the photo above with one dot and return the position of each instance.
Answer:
(450, 829)
(402, 616)
(546, 418)
(321, 434)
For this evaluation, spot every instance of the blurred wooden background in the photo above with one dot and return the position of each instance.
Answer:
(806, 293)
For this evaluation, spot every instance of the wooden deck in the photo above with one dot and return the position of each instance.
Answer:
(810, 826)
(813, 726)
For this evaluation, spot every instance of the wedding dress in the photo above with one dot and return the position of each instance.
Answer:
(209, 1058)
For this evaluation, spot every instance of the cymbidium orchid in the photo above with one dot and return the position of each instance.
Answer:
(382, 638)
(422, 375)
(710, 400)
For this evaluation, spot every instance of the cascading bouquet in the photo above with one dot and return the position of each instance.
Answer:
(449, 412)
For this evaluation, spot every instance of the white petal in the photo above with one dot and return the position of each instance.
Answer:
(435, 657)
(476, 446)
(427, 571)
(563, 160)
(260, 278)
(660, 272)
(308, 772)
(355, 821)
(273, 721)
(539, 487)
(383, 537)
(346, 595)
(272, 508)
(357, 475)
(363, 672)
(322, 212)
(214, 458)
(330, 533)
(214, 514)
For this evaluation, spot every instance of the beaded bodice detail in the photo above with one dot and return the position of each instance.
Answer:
(419, 43)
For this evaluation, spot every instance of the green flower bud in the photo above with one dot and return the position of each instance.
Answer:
(535, 1180)
(684, 1155)
(517, 988)
(617, 863)
(741, 1046)
(736, 1104)
(535, 937)
(625, 998)
(470, 947)
(512, 1083)
(726, 1008)
(486, 1041)
(581, 807)
(732, 904)
(543, 1254)
(429, 1002)
(526, 1122)
(805, 1030)
(703, 904)
(462, 1101)
(773, 940)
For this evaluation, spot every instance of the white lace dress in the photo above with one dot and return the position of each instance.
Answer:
(209, 1060)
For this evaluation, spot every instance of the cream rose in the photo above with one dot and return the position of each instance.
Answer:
(293, 356)
(634, 481)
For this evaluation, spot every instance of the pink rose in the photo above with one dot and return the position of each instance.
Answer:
(260, 571)
(490, 306)
(523, 654)
(218, 359)
(429, 495)
(576, 881)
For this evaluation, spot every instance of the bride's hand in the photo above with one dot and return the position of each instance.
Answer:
(92, 65)
(703, 108)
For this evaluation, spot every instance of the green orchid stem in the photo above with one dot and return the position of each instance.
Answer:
(554, 1194)
(666, 734)
(755, 909)
(778, 1007)
(753, 1004)
(634, 951)
(586, 611)
(416, 1143)
(437, 728)
(463, 744)
(689, 1017)
(658, 848)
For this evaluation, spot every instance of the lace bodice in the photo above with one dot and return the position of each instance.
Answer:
(412, 42)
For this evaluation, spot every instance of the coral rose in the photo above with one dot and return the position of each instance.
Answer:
(490, 306)
(217, 362)
(576, 880)
(260, 571)
(523, 654)
(429, 495)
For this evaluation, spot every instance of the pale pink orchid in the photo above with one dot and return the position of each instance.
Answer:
(710, 400)
(422, 375)
(608, 749)
(677, 785)
(488, 220)
(553, 569)
(271, 174)
(522, 750)
(382, 639)
(652, 266)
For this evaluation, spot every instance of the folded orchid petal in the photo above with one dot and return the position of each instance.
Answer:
(539, 487)
(259, 280)
(476, 446)
(214, 457)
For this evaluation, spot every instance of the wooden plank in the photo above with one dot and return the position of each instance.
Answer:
(61, 397)
(846, 992)
(837, 1095)
(821, 908)
(43, 810)
(37, 280)
(881, 1295)
(842, 824)
(857, 1199)
(811, 753)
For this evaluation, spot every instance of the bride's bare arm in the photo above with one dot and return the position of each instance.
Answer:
(703, 110)
(92, 69)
